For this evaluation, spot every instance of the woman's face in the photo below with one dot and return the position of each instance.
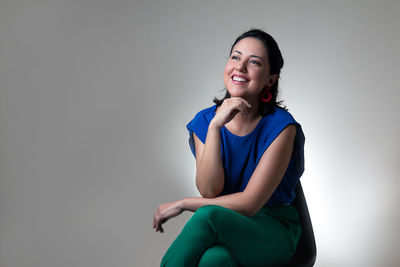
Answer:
(247, 71)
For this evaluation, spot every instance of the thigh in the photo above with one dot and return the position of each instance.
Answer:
(264, 239)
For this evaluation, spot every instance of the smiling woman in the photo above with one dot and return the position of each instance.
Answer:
(269, 56)
(249, 157)
(247, 70)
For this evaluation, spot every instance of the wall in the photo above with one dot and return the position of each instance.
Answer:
(95, 96)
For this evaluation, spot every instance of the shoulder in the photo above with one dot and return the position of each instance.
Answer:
(280, 118)
(207, 113)
(199, 124)
(203, 117)
(274, 123)
(280, 114)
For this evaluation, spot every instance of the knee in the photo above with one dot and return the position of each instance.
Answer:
(217, 256)
(213, 218)
(210, 213)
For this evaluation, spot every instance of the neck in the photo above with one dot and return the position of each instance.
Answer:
(253, 111)
(251, 117)
(241, 125)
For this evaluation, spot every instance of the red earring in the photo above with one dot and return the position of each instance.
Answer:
(266, 95)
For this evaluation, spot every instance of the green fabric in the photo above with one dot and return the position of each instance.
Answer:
(217, 236)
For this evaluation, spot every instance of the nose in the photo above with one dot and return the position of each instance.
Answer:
(241, 66)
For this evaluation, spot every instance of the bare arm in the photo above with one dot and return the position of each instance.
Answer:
(264, 181)
(210, 171)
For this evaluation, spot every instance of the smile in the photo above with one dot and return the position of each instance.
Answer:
(237, 78)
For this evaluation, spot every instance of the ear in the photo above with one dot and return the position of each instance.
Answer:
(272, 79)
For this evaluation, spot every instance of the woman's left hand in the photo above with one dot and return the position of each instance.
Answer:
(165, 212)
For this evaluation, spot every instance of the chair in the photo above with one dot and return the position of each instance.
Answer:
(306, 251)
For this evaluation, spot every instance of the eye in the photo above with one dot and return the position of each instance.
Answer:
(255, 62)
(235, 57)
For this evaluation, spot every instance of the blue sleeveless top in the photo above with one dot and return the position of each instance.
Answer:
(241, 154)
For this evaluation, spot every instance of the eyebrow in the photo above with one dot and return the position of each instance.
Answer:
(250, 55)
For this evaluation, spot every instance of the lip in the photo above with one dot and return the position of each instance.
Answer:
(241, 76)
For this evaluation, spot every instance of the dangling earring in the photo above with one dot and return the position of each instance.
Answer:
(266, 95)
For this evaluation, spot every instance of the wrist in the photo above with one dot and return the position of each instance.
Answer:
(214, 126)
(182, 204)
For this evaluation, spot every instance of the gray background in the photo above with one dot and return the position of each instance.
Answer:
(95, 96)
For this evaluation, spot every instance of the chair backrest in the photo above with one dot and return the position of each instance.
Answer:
(306, 251)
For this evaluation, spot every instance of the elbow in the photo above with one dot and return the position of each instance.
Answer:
(205, 195)
(208, 193)
(245, 210)
(249, 212)
(250, 208)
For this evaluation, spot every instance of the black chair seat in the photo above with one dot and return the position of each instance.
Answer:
(306, 251)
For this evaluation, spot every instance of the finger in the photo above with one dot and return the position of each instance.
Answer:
(159, 228)
(237, 104)
(156, 223)
(242, 100)
(243, 108)
(246, 103)
(155, 219)
(156, 227)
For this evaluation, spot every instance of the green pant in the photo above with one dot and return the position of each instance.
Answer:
(217, 236)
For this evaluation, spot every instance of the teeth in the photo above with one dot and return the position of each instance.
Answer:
(238, 79)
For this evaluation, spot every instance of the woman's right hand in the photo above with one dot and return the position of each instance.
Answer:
(229, 109)
(165, 212)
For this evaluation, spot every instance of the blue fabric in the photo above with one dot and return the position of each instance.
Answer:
(241, 154)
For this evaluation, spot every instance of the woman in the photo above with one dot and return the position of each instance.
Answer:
(249, 157)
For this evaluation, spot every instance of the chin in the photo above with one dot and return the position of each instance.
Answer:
(235, 92)
(237, 95)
